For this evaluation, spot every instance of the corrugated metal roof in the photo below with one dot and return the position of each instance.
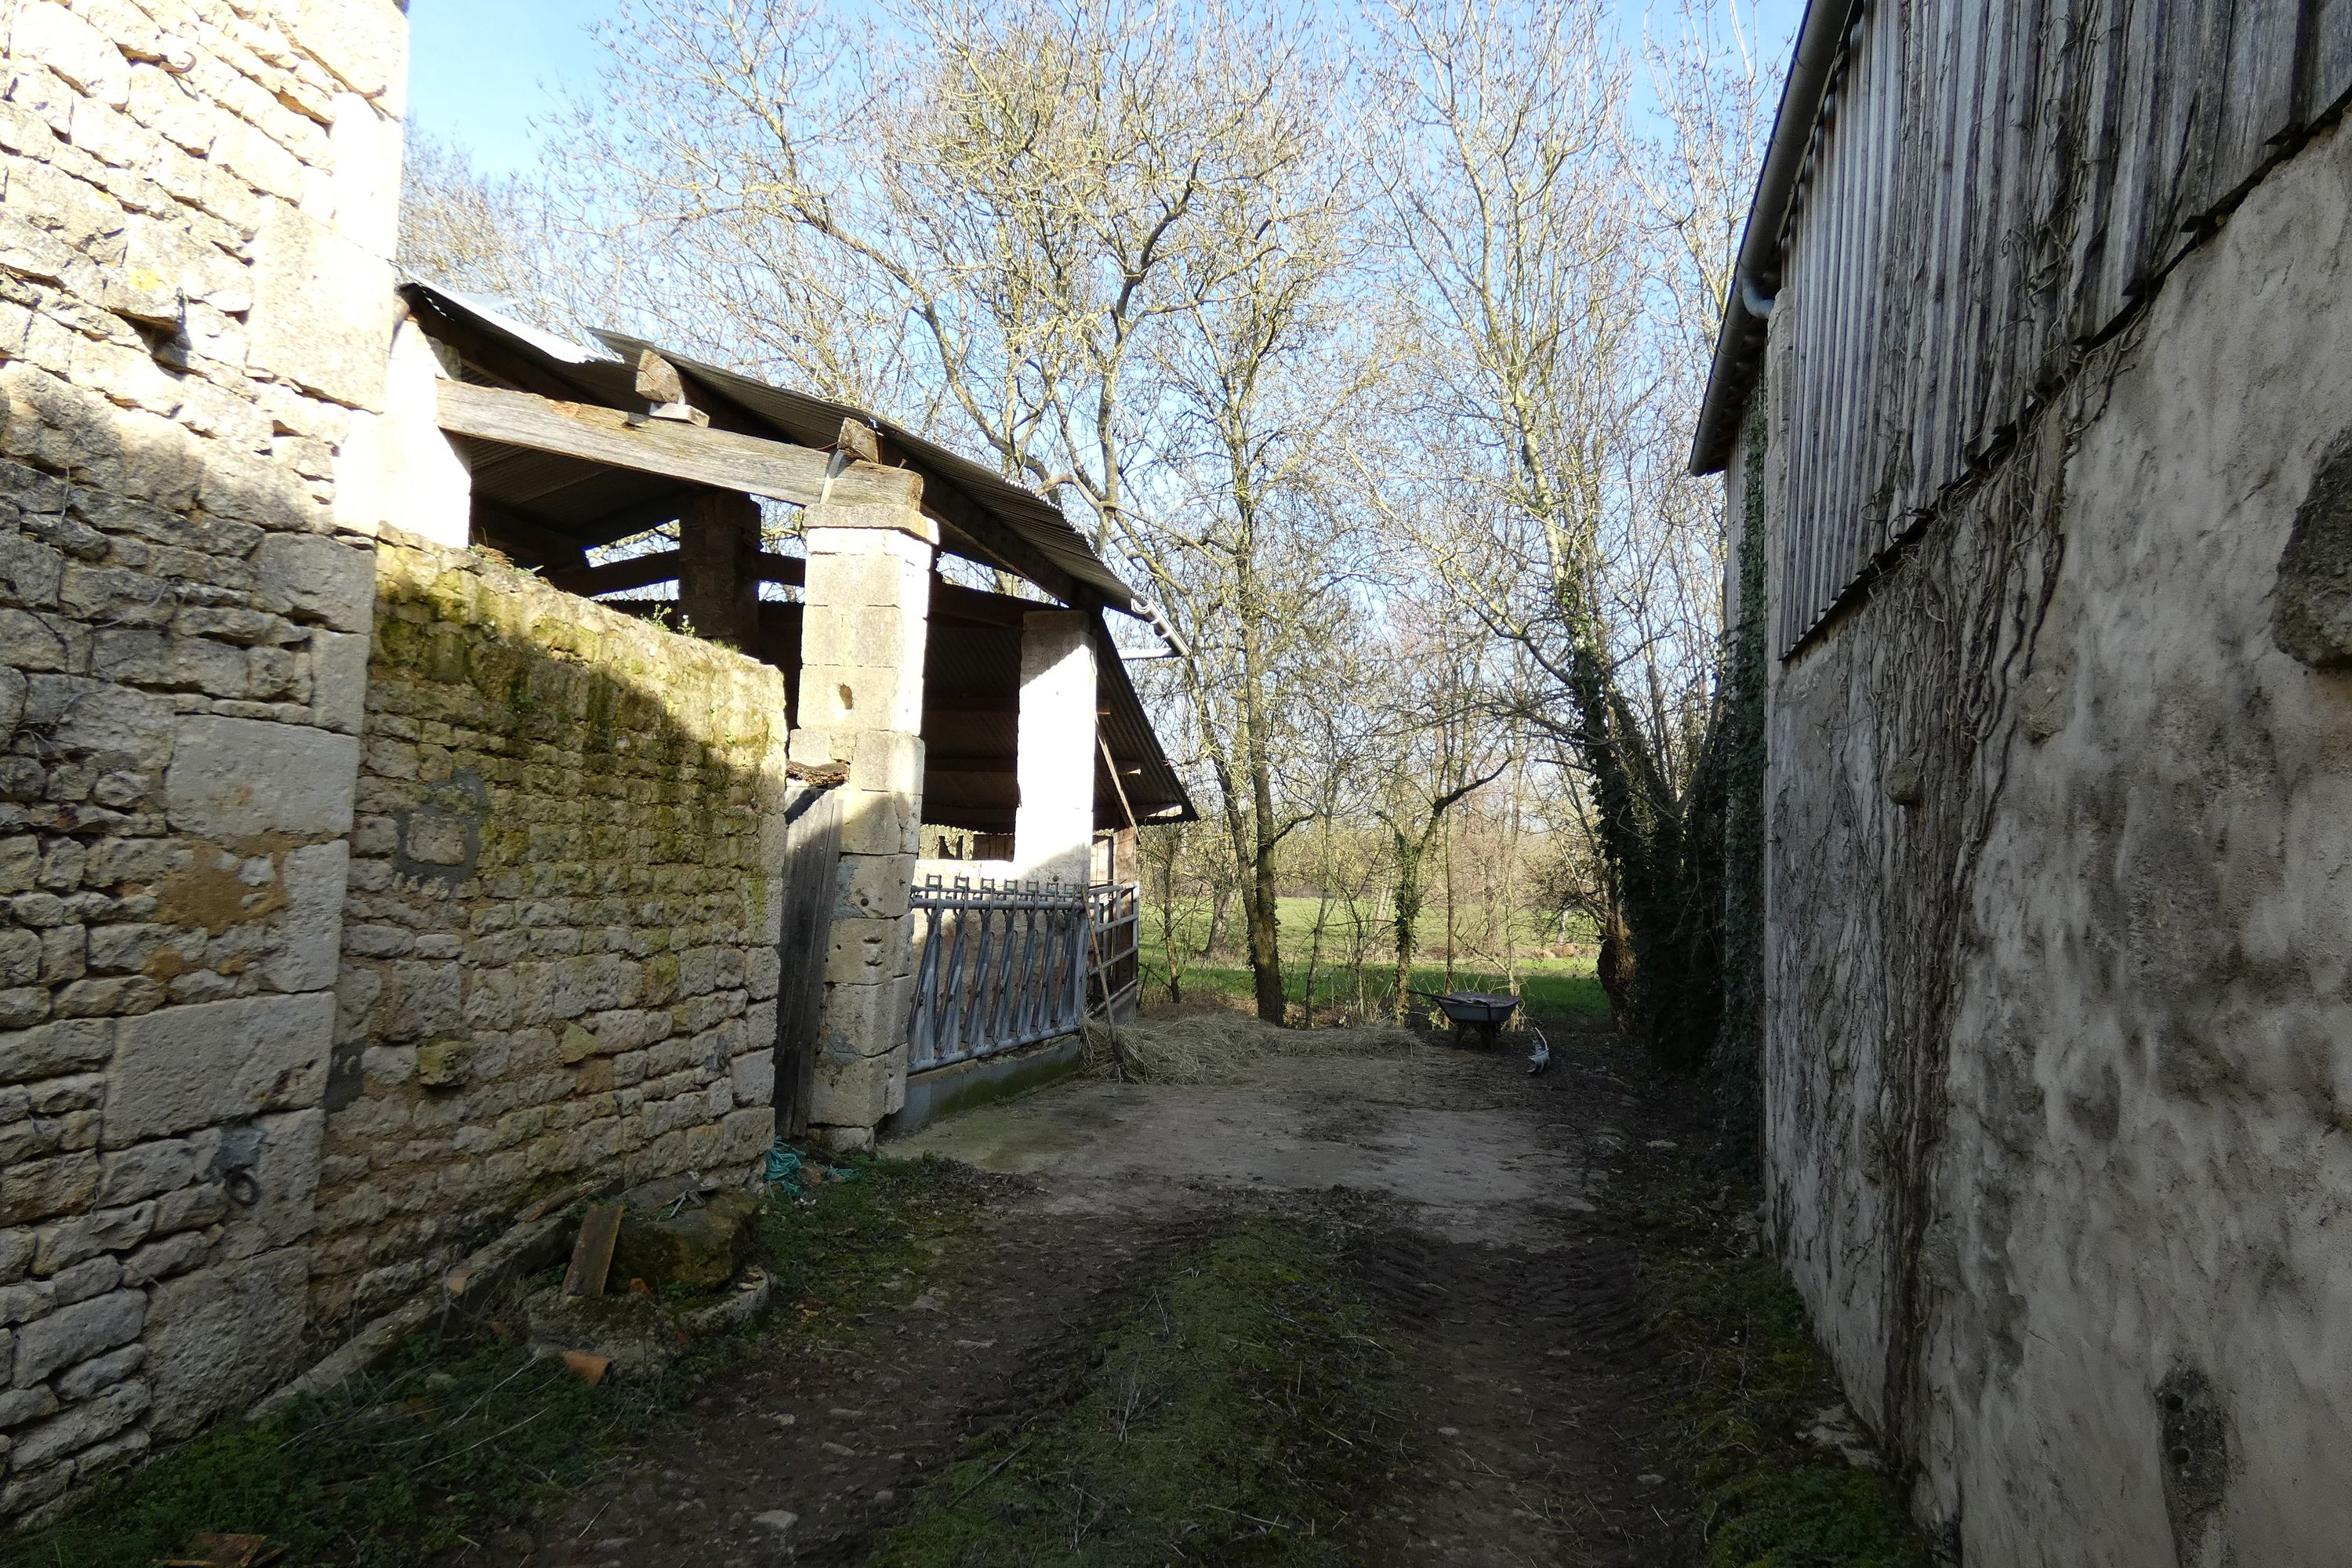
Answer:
(606, 373)
(813, 421)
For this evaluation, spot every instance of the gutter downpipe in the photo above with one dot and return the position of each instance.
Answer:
(1821, 39)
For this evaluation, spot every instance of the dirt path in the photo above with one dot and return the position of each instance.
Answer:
(1464, 1191)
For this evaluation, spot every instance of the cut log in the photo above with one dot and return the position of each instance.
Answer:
(658, 379)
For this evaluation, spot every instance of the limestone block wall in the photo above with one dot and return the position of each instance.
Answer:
(2059, 946)
(560, 956)
(196, 211)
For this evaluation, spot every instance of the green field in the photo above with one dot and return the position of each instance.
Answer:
(1552, 986)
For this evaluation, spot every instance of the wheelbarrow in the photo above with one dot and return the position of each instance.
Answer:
(1482, 1012)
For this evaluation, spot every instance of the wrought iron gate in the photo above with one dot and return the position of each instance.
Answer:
(1002, 964)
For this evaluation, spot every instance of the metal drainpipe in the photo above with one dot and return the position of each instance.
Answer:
(1820, 40)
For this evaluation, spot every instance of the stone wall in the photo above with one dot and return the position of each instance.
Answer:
(196, 211)
(559, 954)
(2060, 947)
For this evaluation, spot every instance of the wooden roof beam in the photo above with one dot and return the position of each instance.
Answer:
(663, 566)
(749, 465)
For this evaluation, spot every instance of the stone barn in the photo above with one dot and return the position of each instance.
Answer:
(2031, 404)
(449, 770)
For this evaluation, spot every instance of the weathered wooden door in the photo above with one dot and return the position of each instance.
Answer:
(812, 857)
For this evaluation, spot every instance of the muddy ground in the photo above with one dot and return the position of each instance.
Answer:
(1465, 1191)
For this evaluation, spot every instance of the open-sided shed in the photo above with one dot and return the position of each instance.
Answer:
(574, 449)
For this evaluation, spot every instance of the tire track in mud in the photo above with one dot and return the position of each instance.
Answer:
(1539, 1398)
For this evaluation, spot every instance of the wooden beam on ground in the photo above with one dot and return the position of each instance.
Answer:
(592, 1255)
(747, 465)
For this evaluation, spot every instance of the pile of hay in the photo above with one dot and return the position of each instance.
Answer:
(1224, 1047)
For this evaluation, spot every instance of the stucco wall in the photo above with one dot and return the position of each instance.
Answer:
(196, 212)
(2059, 1041)
(560, 956)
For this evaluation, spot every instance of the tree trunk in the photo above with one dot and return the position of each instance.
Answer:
(1614, 969)
(1408, 912)
(1265, 935)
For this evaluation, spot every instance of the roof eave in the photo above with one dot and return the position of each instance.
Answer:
(1740, 342)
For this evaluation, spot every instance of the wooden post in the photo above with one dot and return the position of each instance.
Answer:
(718, 578)
(811, 864)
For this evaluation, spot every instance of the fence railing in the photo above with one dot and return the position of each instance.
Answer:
(1002, 964)
(1114, 948)
(1005, 964)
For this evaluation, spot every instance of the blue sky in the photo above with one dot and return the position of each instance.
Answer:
(480, 69)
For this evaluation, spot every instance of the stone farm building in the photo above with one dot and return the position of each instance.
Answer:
(2034, 403)
(379, 861)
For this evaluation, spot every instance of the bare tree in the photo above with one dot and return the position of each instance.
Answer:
(1525, 225)
(1252, 550)
(462, 227)
(1441, 747)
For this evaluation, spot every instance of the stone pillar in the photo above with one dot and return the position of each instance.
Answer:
(1053, 826)
(396, 468)
(718, 591)
(860, 706)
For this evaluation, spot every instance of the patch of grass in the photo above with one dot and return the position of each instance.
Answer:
(465, 1432)
(851, 1245)
(1769, 1497)
(1230, 1416)
(454, 1439)
(1553, 987)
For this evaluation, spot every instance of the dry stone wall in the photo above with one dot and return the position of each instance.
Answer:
(559, 955)
(197, 210)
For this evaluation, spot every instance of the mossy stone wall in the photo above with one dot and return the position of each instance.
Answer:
(560, 948)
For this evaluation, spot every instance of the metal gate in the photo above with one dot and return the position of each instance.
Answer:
(1002, 964)
(1114, 948)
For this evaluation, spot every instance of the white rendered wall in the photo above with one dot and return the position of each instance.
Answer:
(1055, 821)
(2141, 1172)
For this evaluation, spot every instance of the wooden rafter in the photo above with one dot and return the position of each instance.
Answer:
(750, 465)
